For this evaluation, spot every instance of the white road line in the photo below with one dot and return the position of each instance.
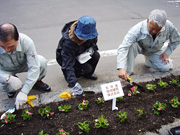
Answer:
(107, 53)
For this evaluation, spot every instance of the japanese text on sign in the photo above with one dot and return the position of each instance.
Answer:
(112, 90)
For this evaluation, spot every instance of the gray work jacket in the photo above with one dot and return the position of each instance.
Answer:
(139, 33)
(24, 56)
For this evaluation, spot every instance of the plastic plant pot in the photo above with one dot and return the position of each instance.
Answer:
(174, 131)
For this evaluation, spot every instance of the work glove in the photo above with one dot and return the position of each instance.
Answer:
(77, 90)
(15, 82)
(20, 99)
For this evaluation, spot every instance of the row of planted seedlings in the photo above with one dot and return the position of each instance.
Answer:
(100, 122)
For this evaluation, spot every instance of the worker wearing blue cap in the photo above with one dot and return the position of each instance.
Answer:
(77, 52)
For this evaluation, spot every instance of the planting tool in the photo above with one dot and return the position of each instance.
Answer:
(10, 110)
(134, 83)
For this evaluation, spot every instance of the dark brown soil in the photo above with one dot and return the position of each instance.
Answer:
(134, 125)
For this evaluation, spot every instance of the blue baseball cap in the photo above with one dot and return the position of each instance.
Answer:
(86, 28)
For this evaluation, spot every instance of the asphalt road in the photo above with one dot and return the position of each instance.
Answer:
(42, 20)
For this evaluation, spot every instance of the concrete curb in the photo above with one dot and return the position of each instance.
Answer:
(49, 97)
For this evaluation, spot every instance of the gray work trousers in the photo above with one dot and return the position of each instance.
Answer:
(151, 60)
(5, 87)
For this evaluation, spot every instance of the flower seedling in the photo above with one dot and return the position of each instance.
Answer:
(141, 112)
(9, 118)
(64, 108)
(26, 114)
(133, 91)
(119, 98)
(45, 112)
(175, 82)
(42, 133)
(100, 100)
(174, 102)
(151, 87)
(84, 127)
(83, 105)
(122, 116)
(101, 122)
(62, 132)
(157, 107)
(162, 84)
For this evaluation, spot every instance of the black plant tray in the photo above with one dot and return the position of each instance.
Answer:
(174, 131)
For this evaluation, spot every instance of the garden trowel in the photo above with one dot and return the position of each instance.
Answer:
(10, 110)
(134, 83)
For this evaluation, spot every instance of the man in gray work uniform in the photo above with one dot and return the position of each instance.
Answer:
(148, 38)
(18, 54)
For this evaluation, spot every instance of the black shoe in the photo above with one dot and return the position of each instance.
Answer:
(92, 77)
(39, 85)
(11, 94)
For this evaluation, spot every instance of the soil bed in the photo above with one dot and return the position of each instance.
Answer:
(134, 125)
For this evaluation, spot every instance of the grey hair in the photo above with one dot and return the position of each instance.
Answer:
(158, 16)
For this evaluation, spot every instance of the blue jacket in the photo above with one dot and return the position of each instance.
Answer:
(69, 48)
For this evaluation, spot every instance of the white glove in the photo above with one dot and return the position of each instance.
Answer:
(20, 99)
(77, 89)
(15, 82)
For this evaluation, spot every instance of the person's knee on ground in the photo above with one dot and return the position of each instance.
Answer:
(159, 65)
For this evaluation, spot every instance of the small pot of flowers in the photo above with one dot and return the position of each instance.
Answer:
(27, 114)
(9, 118)
(158, 107)
(83, 105)
(101, 122)
(45, 112)
(174, 102)
(84, 127)
(64, 108)
(122, 116)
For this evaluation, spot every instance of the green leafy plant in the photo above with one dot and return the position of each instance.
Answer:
(175, 82)
(64, 108)
(151, 87)
(101, 122)
(62, 132)
(162, 84)
(27, 114)
(45, 112)
(174, 102)
(122, 116)
(42, 133)
(141, 112)
(158, 107)
(84, 127)
(119, 98)
(133, 91)
(100, 100)
(83, 105)
(9, 118)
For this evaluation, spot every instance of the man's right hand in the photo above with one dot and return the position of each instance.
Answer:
(20, 99)
(15, 82)
(122, 74)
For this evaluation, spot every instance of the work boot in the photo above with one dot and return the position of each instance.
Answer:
(11, 94)
(41, 86)
(92, 77)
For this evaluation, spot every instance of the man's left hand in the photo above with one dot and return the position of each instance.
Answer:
(165, 58)
(20, 99)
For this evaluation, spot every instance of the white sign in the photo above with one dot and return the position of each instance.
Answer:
(112, 90)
